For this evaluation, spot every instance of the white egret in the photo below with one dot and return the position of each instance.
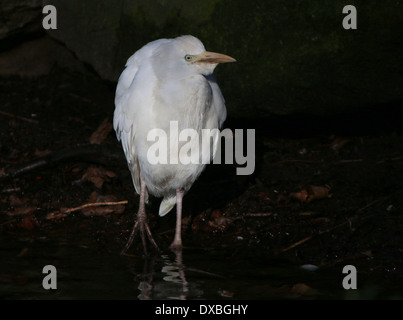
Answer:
(166, 80)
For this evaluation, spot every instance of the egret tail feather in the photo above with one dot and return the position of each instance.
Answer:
(166, 205)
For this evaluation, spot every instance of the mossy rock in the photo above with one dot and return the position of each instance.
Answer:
(293, 57)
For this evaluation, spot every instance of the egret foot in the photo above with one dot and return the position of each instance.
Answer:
(142, 226)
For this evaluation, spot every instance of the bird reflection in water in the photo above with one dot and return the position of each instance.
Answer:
(171, 283)
(175, 273)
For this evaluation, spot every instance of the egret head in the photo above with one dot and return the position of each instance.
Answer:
(187, 55)
(198, 58)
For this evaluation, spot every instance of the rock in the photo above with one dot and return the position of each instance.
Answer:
(25, 50)
(90, 29)
(293, 57)
(19, 18)
(37, 57)
(105, 34)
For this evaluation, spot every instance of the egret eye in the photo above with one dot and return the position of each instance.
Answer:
(188, 57)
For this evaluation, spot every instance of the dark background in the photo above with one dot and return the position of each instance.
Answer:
(327, 190)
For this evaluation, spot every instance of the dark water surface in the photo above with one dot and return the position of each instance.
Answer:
(196, 273)
(246, 236)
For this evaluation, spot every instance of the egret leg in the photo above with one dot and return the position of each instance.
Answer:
(177, 243)
(141, 224)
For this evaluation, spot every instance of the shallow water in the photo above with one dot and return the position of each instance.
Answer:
(195, 273)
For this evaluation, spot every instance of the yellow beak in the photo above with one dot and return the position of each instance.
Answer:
(214, 57)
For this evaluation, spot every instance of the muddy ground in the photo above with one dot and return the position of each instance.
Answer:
(327, 191)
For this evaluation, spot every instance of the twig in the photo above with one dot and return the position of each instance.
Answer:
(379, 200)
(312, 236)
(349, 221)
(64, 212)
(296, 244)
(18, 117)
(263, 214)
(372, 203)
(9, 190)
(297, 161)
(94, 204)
(390, 159)
(351, 160)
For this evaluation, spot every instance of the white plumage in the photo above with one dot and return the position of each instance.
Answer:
(166, 80)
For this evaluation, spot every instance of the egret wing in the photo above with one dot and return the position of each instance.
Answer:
(126, 108)
(218, 100)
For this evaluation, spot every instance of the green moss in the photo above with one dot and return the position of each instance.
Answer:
(292, 56)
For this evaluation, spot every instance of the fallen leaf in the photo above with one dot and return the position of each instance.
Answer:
(29, 222)
(264, 196)
(318, 192)
(41, 153)
(97, 175)
(110, 174)
(297, 290)
(310, 193)
(300, 195)
(303, 290)
(217, 222)
(19, 280)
